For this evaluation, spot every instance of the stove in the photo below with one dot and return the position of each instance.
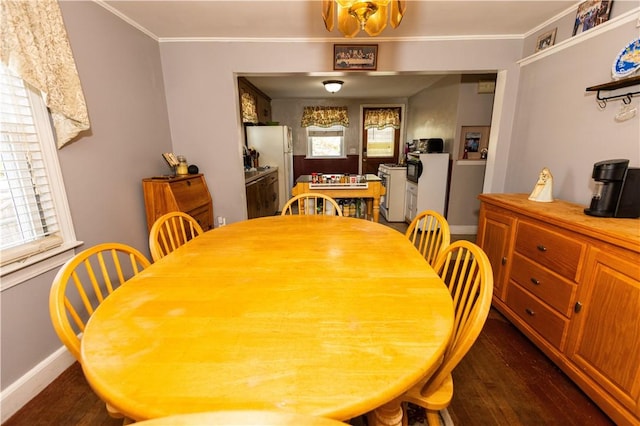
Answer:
(393, 178)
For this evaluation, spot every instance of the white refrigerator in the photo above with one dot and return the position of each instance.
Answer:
(275, 146)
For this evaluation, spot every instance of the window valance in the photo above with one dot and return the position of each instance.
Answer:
(34, 45)
(380, 118)
(249, 109)
(324, 116)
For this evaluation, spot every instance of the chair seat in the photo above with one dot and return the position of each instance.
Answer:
(436, 400)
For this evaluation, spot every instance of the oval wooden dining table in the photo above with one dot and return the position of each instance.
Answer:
(319, 315)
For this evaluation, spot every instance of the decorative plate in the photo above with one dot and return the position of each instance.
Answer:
(628, 60)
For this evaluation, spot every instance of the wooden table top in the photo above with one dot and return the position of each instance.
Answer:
(319, 315)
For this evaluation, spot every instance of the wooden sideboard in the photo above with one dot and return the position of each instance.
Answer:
(571, 283)
(188, 194)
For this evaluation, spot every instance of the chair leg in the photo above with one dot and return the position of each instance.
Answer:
(433, 418)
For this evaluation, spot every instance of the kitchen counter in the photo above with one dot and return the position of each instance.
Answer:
(250, 176)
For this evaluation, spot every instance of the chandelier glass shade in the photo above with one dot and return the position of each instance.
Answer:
(353, 15)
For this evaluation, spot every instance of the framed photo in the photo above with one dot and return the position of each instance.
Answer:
(590, 14)
(547, 39)
(473, 140)
(355, 57)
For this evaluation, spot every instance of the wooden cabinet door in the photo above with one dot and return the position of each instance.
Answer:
(604, 339)
(411, 201)
(253, 200)
(495, 236)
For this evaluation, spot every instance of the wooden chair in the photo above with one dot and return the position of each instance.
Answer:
(466, 270)
(309, 202)
(170, 231)
(242, 418)
(95, 273)
(429, 233)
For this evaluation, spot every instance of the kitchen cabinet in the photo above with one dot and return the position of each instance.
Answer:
(262, 194)
(571, 283)
(188, 194)
(411, 201)
(263, 102)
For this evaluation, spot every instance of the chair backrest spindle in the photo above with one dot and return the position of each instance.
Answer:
(429, 233)
(90, 287)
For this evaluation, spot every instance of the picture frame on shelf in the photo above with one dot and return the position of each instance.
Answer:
(546, 39)
(591, 13)
(355, 57)
(473, 141)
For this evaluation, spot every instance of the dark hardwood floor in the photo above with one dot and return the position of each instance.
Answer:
(503, 380)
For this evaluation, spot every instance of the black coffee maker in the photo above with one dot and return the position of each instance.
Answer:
(617, 191)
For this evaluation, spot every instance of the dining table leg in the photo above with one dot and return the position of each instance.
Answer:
(389, 414)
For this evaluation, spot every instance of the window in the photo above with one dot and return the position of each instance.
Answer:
(381, 142)
(34, 217)
(325, 142)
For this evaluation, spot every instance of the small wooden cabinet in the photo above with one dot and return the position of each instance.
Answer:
(571, 283)
(188, 194)
(262, 195)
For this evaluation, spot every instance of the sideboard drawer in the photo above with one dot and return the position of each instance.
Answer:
(544, 320)
(551, 288)
(551, 249)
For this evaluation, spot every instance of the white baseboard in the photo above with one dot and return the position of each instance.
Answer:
(23, 390)
(463, 229)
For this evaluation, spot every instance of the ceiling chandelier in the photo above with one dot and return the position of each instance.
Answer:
(354, 15)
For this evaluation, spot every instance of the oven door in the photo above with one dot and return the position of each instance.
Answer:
(414, 170)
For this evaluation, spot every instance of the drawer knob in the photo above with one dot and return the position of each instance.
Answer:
(530, 312)
(578, 307)
(188, 183)
(535, 281)
(504, 260)
(541, 247)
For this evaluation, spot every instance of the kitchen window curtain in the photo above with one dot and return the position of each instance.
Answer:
(34, 45)
(381, 118)
(323, 116)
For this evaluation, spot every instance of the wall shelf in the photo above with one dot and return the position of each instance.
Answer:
(615, 85)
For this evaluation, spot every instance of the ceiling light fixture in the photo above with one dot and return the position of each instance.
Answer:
(354, 15)
(332, 86)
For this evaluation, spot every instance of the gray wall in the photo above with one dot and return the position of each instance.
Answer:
(200, 83)
(121, 77)
(432, 112)
(559, 125)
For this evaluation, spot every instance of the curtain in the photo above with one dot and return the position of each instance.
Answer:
(323, 116)
(249, 109)
(382, 118)
(35, 46)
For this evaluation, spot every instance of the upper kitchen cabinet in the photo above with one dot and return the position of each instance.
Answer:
(255, 106)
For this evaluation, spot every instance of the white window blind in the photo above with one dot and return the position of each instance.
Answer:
(28, 219)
